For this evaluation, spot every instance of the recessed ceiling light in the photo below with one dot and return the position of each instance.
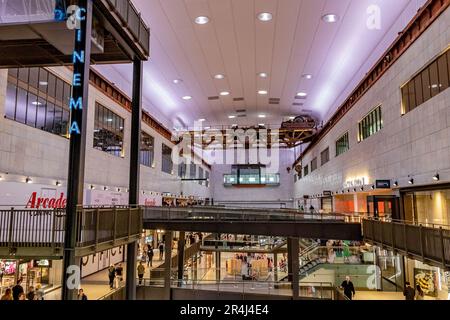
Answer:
(219, 76)
(231, 117)
(291, 118)
(109, 120)
(261, 124)
(187, 98)
(36, 103)
(224, 93)
(176, 81)
(201, 20)
(261, 116)
(262, 92)
(302, 94)
(265, 16)
(201, 120)
(262, 75)
(43, 83)
(330, 18)
(307, 76)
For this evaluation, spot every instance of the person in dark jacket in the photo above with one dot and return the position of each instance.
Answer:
(81, 295)
(409, 291)
(150, 256)
(111, 276)
(31, 294)
(17, 290)
(349, 289)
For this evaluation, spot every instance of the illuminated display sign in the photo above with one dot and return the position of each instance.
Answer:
(78, 60)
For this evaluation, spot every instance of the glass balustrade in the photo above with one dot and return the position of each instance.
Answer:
(251, 179)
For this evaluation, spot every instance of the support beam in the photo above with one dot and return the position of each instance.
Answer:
(275, 267)
(77, 131)
(135, 149)
(181, 243)
(167, 264)
(218, 265)
(293, 265)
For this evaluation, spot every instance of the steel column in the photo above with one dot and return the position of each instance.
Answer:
(78, 114)
(135, 163)
(181, 243)
(293, 265)
(167, 264)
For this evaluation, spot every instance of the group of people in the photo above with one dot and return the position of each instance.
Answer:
(17, 292)
(192, 238)
(115, 275)
(413, 294)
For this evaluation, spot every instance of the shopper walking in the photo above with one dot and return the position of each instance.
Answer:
(17, 290)
(420, 295)
(161, 251)
(39, 292)
(150, 256)
(111, 276)
(119, 275)
(349, 289)
(8, 295)
(31, 295)
(409, 291)
(140, 272)
(81, 295)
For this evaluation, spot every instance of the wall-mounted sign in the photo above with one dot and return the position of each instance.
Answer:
(383, 184)
(356, 182)
(42, 263)
(327, 193)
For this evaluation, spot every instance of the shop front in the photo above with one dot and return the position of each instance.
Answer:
(32, 272)
(434, 282)
(426, 204)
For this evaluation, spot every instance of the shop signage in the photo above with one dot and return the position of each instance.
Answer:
(78, 60)
(383, 184)
(327, 193)
(42, 263)
(357, 182)
(35, 202)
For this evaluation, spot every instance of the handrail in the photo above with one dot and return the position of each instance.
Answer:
(409, 222)
(241, 214)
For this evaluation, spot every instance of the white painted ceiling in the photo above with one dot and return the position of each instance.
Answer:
(236, 44)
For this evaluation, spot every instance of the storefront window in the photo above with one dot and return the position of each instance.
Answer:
(427, 206)
(167, 164)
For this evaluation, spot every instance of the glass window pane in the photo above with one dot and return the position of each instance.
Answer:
(418, 90)
(434, 80)
(412, 95)
(443, 73)
(43, 80)
(21, 109)
(10, 106)
(51, 85)
(59, 90)
(405, 102)
(34, 77)
(65, 122)
(23, 74)
(40, 117)
(426, 87)
(13, 72)
(49, 118)
(67, 94)
(31, 112)
(58, 127)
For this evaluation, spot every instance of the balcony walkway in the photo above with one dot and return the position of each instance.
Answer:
(268, 222)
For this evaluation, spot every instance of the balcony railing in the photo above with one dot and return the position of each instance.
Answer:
(239, 214)
(428, 243)
(106, 227)
(132, 21)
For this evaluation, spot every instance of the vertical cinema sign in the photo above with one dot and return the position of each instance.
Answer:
(79, 60)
